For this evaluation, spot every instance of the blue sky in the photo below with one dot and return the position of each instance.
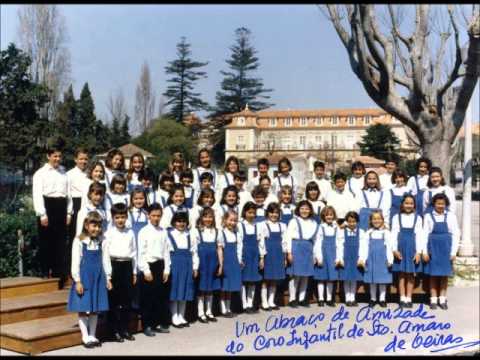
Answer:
(301, 56)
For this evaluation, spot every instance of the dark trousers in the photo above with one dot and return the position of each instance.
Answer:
(53, 238)
(77, 203)
(121, 295)
(154, 298)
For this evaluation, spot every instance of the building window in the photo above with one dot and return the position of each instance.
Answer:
(272, 122)
(318, 140)
(367, 119)
(241, 139)
(303, 140)
(288, 122)
(334, 120)
(241, 121)
(319, 121)
(351, 120)
(334, 141)
(350, 141)
(303, 122)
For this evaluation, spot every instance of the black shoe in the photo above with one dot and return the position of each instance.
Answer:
(275, 307)
(97, 343)
(305, 303)
(433, 306)
(331, 303)
(403, 304)
(118, 338)
(148, 331)
(211, 318)
(354, 303)
(179, 326)
(443, 306)
(266, 308)
(128, 336)
(248, 310)
(185, 325)
(228, 315)
(371, 303)
(293, 304)
(348, 303)
(161, 330)
(89, 345)
(383, 304)
(409, 305)
(203, 319)
(254, 310)
(321, 303)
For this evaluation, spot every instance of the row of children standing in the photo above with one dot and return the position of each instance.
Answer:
(266, 251)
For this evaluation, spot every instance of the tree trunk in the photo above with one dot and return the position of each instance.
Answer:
(441, 154)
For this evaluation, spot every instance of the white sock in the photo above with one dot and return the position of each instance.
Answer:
(303, 288)
(329, 290)
(320, 287)
(373, 292)
(250, 295)
(264, 295)
(208, 303)
(346, 290)
(408, 299)
(83, 325)
(181, 311)
(403, 298)
(271, 295)
(174, 311)
(353, 290)
(223, 306)
(227, 304)
(292, 288)
(92, 326)
(442, 299)
(433, 300)
(201, 311)
(383, 291)
(244, 296)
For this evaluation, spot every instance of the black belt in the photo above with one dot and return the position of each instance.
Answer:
(114, 258)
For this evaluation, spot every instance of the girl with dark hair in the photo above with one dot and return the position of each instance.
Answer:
(176, 202)
(284, 177)
(136, 166)
(312, 194)
(228, 202)
(372, 199)
(418, 183)
(398, 192)
(114, 165)
(437, 185)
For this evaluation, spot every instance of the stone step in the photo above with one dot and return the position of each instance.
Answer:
(26, 285)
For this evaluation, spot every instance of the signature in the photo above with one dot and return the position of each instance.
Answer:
(306, 331)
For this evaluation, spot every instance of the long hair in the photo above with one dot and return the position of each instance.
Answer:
(226, 191)
(231, 159)
(175, 188)
(92, 217)
(205, 211)
(304, 203)
(92, 167)
(365, 185)
(435, 169)
(111, 154)
(312, 185)
(203, 194)
(138, 190)
(178, 156)
(370, 225)
(130, 167)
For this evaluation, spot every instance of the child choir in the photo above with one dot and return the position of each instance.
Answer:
(202, 235)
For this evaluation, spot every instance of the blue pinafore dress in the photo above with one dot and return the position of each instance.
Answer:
(92, 275)
(317, 215)
(251, 256)
(213, 175)
(419, 198)
(429, 208)
(286, 215)
(147, 193)
(207, 254)
(376, 268)
(302, 252)
(232, 273)
(406, 247)
(327, 271)
(261, 217)
(366, 211)
(439, 247)
(396, 202)
(350, 270)
(189, 200)
(182, 287)
(274, 259)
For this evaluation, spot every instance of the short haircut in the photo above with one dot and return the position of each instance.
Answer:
(186, 174)
(273, 207)
(312, 185)
(405, 197)
(241, 175)
(138, 190)
(175, 188)
(318, 164)
(203, 194)
(110, 155)
(326, 210)
(264, 177)
(80, 150)
(263, 161)
(365, 185)
(352, 214)
(92, 167)
(55, 145)
(118, 179)
(285, 160)
(93, 217)
(206, 175)
(206, 211)
(304, 203)
(230, 188)
(339, 176)
(399, 173)
(230, 159)
(440, 196)
(370, 225)
(358, 165)
(179, 216)
(155, 206)
(435, 169)
(146, 174)
(119, 209)
(96, 188)
(259, 191)
(249, 205)
(423, 160)
(391, 159)
(164, 177)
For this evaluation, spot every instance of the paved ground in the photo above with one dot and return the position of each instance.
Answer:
(461, 321)
(475, 223)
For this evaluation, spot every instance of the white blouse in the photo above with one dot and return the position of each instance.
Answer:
(220, 210)
(263, 232)
(324, 185)
(221, 183)
(355, 185)
(373, 197)
(167, 215)
(329, 231)
(376, 235)
(162, 197)
(121, 244)
(198, 172)
(422, 182)
(112, 198)
(181, 240)
(399, 191)
(92, 244)
(317, 206)
(342, 202)
(308, 226)
(249, 230)
(281, 180)
(136, 215)
(407, 222)
(243, 196)
(83, 212)
(452, 225)
(76, 180)
(210, 235)
(229, 237)
(386, 181)
(287, 209)
(152, 245)
(109, 174)
(447, 190)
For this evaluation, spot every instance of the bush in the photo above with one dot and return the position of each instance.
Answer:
(26, 221)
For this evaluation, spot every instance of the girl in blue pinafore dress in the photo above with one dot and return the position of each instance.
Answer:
(137, 219)
(437, 185)
(418, 183)
(328, 255)
(232, 260)
(407, 248)
(300, 236)
(186, 178)
(209, 251)
(91, 272)
(259, 195)
(397, 192)
(443, 235)
(287, 207)
(372, 198)
(350, 273)
(376, 257)
(272, 232)
(137, 165)
(184, 267)
(312, 194)
(252, 255)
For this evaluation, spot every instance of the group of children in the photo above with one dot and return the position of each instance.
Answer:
(202, 232)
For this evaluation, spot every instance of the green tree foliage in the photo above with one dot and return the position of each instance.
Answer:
(162, 139)
(116, 134)
(87, 120)
(125, 131)
(380, 142)
(65, 125)
(179, 94)
(23, 131)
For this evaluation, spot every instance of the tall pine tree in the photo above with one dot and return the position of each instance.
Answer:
(125, 131)
(65, 125)
(180, 95)
(116, 133)
(86, 119)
